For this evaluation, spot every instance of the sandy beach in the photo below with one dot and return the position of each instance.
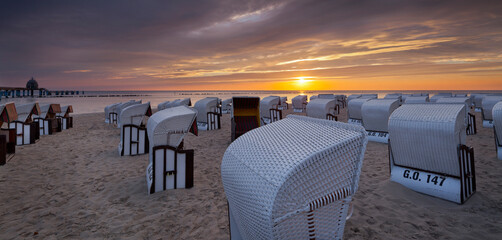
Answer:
(74, 185)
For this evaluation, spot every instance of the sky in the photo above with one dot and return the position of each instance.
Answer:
(252, 44)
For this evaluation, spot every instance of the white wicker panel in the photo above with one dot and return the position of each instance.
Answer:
(417, 99)
(426, 136)
(487, 105)
(497, 120)
(134, 114)
(319, 107)
(354, 107)
(204, 106)
(438, 96)
(271, 175)
(353, 96)
(299, 101)
(376, 113)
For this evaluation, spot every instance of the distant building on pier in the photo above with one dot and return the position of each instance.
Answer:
(32, 84)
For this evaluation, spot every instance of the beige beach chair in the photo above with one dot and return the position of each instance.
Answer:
(133, 136)
(27, 131)
(322, 108)
(375, 115)
(208, 115)
(269, 109)
(8, 114)
(170, 166)
(293, 184)
(428, 153)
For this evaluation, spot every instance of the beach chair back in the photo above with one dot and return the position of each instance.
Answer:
(133, 136)
(208, 116)
(416, 99)
(354, 110)
(299, 103)
(323, 108)
(375, 114)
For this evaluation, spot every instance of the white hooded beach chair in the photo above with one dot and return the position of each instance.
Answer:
(133, 136)
(470, 119)
(269, 109)
(397, 96)
(226, 106)
(170, 166)
(416, 99)
(27, 131)
(353, 96)
(283, 104)
(293, 184)
(369, 96)
(322, 108)
(313, 97)
(354, 110)
(66, 119)
(8, 114)
(299, 103)
(478, 101)
(497, 128)
(48, 123)
(375, 118)
(332, 96)
(440, 95)
(428, 153)
(208, 117)
(486, 110)
(162, 105)
(111, 113)
(122, 106)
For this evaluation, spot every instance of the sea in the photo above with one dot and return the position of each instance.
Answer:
(96, 101)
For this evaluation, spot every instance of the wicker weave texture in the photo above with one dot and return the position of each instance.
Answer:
(319, 107)
(497, 120)
(272, 175)
(354, 107)
(487, 105)
(426, 136)
(375, 114)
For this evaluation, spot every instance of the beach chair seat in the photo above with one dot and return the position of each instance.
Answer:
(208, 115)
(497, 128)
(323, 108)
(293, 184)
(110, 113)
(486, 110)
(269, 109)
(470, 119)
(133, 135)
(427, 151)
(245, 115)
(8, 114)
(65, 118)
(354, 110)
(226, 106)
(416, 99)
(25, 129)
(375, 115)
(299, 103)
(170, 166)
(283, 105)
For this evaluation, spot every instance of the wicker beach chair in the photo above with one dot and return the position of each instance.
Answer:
(354, 110)
(245, 115)
(170, 166)
(293, 184)
(122, 106)
(313, 97)
(208, 117)
(332, 96)
(8, 114)
(427, 151)
(440, 95)
(478, 101)
(486, 109)
(497, 128)
(162, 105)
(397, 96)
(369, 96)
(269, 109)
(353, 96)
(283, 105)
(375, 118)
(26, 131)
(48, 123)
(66, 119)
(323, 108)
(416, 99)
(133, 136)
(111, 113)
(299, 103)
(226, 106)
(470, 119)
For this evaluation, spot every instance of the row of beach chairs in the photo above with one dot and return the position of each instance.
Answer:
(24, 124)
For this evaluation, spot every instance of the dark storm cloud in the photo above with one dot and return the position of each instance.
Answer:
(81, 43)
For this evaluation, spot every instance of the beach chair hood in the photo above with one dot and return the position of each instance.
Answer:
(375, 114)
(122, 106)
(416, 99)
(354, 107)
(135, 114)
(26, 110)
(65, 111)
(169, 126)
(319, 107)
(267, 103)
(299, 101)
(487, 104)
(8, 113)
(204, 106)
(49, 110)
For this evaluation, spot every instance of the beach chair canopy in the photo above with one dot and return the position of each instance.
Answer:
(275, 179)
(65, 111)
(185, 101)
(419, 94)
(124, 105)
(327, 96)
(162, 105)
(370, 96)
(49, 110)
(497, 121)
(375, 114)
(354, 107)
(416, 99)
(393, 96)
(478, 99)
(111, 108)
(318, 108)
(284, 100)
(267, 103)
(169, 126)
(135, 114)
(439, 95)
(8, 113)
(299, 101)
(455, 100)
(204, 106)
(25, 111)
(427, 136)
(487, 105)
(353, 96)
(313, 97)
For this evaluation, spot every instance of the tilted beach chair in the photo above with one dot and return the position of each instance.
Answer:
(299, 103)
(133, 136)
(170, 166)
(269, 109)
(66, 119)
(48, 123)
(486, 110)
(8, 114)
(416, 99)
(470, 119)
(208, 117)
(322, 108)
(293, 184)
(27, 131)
(497, 128)
(397, 96)
(122, 106)
(245, 115)
(111, 113)
(427, 151)
(375, 118)
(478, 101)
(226, 106)
(354, 110)
(440, 95)
(283, 105)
